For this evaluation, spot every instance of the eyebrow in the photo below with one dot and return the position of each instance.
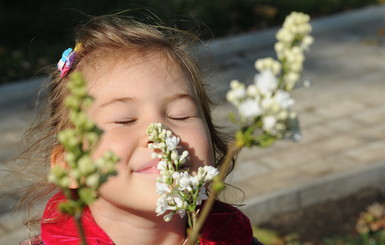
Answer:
(123, 99)
(168, 99)
(180, 96)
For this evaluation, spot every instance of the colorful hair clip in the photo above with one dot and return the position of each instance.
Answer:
(68, 58)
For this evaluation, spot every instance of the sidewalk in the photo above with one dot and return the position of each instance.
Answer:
(342, 116)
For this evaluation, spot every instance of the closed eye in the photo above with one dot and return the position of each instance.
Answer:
(125, 121)
(179, 118)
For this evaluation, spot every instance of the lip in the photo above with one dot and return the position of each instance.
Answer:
(149, 167)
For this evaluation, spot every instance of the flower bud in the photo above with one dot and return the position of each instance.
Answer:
(168, 217)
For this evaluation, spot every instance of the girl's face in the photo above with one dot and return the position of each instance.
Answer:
(129, 95)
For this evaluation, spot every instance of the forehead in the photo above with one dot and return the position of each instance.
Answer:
(109, 70)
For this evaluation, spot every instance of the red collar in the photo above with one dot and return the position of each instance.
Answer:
(225, 225)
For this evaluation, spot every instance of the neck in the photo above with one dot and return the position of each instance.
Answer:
(128, 227)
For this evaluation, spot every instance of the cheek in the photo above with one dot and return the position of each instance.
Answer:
(117, 142)
(200, 147)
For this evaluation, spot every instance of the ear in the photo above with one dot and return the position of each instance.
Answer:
(57, 158)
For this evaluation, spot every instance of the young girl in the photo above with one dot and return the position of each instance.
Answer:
(138, 74)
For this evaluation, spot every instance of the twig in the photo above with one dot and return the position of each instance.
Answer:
(80, 228)
(232, 151)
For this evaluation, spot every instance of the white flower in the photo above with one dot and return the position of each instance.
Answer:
(161, 188)
(306, 42)
(179, 202)
(162, 165)
(177, 188)
(268, 64)
(283, 99)
(249, 109)
(285, 36)
(282, 115)
(279, 48)
(174, 155)
(201, 196)
(266, 82)
(184, 182)
(252, 91)
(269, 123)
(194, 181)
(161, 205)
(211, 172)
(181, 212)
(183, 157)
(237, 92)
(172, 142)
(291, 78)
(267, 103)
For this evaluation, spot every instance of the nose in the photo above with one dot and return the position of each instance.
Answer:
(153, 118)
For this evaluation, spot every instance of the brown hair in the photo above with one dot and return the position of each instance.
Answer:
(114, 34)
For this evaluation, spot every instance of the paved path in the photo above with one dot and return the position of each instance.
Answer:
(342, 113)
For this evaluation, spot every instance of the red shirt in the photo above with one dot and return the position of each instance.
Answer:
(225, 225)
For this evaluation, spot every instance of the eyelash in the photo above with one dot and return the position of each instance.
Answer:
(179, 118)
(125, 122)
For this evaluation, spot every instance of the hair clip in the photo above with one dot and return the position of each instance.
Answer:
(67, 59)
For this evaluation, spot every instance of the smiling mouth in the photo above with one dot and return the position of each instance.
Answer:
(149, 167)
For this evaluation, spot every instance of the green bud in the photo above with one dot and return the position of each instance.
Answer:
(80, 91)
(78, 143)
(87, 101)
(218, 185)
(75, 175)
(68, 207)
(93, 181)
(70, 158)
(52, 178)
(87, 195)
(86, 165)
(265, 140)
(58, 171)
(92, 138)
(64, 182)
(68, 139)
(72, 102)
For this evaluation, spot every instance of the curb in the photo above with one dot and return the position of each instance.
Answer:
(257, 40)
(264, 207)
(20, 92)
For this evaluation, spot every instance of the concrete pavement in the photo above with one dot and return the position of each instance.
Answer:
(342, 116)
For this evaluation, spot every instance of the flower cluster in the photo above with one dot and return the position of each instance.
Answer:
(372, 220)
(262, 101)
(293, 40)
(266, 104)
(81, 171)
(179, 191)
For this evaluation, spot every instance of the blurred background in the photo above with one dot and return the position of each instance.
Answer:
(314, 192)
(34, 33)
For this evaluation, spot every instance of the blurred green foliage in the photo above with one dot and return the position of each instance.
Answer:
(34, 33)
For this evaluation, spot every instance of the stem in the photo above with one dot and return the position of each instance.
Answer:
(79, 226)
(193, 236)
(194, 219)
(189, 220)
